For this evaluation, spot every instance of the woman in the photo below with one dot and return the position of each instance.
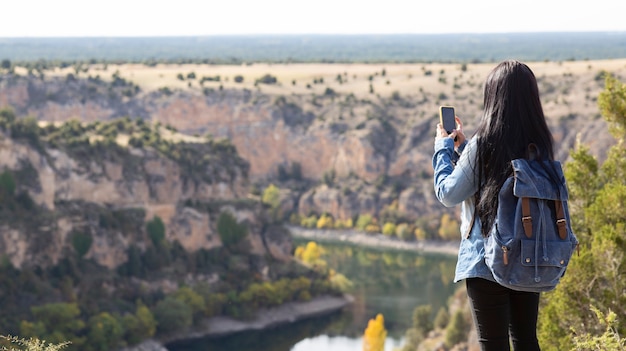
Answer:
(512, 119)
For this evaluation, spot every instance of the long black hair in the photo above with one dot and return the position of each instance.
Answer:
(512, 120)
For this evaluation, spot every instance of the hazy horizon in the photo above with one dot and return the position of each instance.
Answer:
(141, 18)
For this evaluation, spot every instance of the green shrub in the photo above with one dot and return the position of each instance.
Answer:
(271, 197)
(309, 222)
(442, 319)
(229, 230)
(139, 326)
(404, 231)
(105, 332)
(7, 186)
(610, 340)
(81, 242)
(389, 229)
(214, 304)
(156, 230)
(363, 221)
(191, 299)
(456, 330)
(421, 319)
(55, 322)
(267, 79)
(172, 315)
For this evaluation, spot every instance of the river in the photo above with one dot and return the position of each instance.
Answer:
(387, 281)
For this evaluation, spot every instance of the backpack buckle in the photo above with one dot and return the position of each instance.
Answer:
(561, 226)
(527, 223)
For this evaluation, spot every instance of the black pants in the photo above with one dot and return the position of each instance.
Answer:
(500, 313)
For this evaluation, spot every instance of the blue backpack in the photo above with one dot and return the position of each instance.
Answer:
(531, 241)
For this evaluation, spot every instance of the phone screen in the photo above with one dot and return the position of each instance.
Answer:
(447, 118)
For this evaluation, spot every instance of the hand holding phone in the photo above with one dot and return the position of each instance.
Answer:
(447, 118)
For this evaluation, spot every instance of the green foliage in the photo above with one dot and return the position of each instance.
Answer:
(105, 332)
(329, 177)
(294, 172)
(5, 64)
(267, 79)
(261, 294)
(595, 276)
(422, 319)
(25, 128)
(582, 181)
(214, 303)
(412, 339)
(191, 299)
(389, 229)
(363, 221)
(230, 231)
(172, 315)
(7, 117)
(457, 329)
(81, 242)
(610, 340)
(7, 186)
(612, 102)
(404, 231)
(442, 319)
(309, 222)
(271, 197)
(340, 282)
(139, 326)
(55, 322)
(156, 231)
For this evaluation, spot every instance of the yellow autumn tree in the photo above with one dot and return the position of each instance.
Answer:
(375, 334)
(311, 254)
(449, 228)
(325, 222)
(271, 197)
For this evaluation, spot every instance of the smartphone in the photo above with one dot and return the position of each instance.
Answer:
(447, 118)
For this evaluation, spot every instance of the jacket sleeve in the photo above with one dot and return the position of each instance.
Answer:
(454, 184)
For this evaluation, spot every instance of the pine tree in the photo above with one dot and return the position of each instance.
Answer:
(457, 329)
(595, 276)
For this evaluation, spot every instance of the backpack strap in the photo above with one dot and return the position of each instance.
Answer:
(532, 153)
(560, 219)
(527, 220)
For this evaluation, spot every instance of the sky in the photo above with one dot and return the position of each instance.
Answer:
(123, 18)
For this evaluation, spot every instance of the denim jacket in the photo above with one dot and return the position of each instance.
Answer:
(457, 185)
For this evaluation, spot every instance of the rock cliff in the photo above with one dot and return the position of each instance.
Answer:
(52, 196)
(353, 153)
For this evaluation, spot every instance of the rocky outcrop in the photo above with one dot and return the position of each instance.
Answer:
(370, 151)
(109, 196)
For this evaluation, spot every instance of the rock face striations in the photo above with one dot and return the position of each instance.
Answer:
(336, 153)
(69, 190)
